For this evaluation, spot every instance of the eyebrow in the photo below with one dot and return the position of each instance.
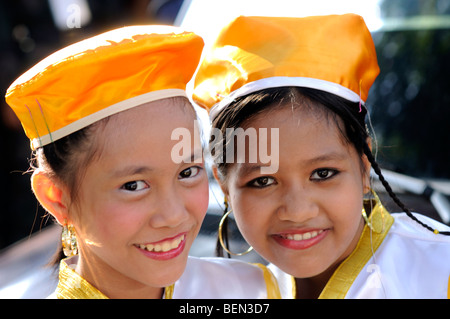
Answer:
(245, 169)
(196, 157)
(131, 170)
(138, 170)
(332, 156)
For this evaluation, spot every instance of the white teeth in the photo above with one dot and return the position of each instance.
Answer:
(303, 236)
(164, 246)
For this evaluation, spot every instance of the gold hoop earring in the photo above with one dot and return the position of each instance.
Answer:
(69, 240)
(222, 220)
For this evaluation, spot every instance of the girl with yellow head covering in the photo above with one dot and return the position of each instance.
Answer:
(100, 115)
(297, 87)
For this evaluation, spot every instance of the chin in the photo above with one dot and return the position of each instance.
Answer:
(165, 280)
(299, 269)
(166, 275)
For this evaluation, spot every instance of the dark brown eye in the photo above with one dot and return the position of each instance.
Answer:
(134, 186)
(189, 172)
(262, 182)
(323, 174)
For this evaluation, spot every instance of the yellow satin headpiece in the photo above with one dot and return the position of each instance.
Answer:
(332, 53)
(100, 76)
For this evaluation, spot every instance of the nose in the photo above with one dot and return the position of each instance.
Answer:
(297, 204)
(170, 211)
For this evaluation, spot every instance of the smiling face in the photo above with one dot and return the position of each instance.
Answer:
(138, 212)
(306, 217)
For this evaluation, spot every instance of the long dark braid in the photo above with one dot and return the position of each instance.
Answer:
(391, 193)
(357, 134)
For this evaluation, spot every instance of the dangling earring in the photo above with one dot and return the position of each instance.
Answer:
(368, 220)
(224, 217)
(69, 240)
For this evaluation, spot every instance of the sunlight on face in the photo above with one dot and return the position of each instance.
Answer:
(306, 217)
(139, 211)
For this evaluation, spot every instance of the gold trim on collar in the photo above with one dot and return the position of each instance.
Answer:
(273, 291)
(168, 291)
(72, 286)
(344, 276)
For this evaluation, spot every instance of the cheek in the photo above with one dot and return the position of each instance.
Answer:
(346, 217)
(197, 200)
(111, 224)
(344, 211)
(252, 218)
(118, 220)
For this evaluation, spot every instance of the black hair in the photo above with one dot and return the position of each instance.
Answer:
(63, 160)
(352, 127)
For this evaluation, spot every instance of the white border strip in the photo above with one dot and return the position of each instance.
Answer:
(110, 110)
(280, 81)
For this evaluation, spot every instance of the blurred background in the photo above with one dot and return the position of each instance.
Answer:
(409, 104)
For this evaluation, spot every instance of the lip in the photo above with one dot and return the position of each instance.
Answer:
(164, 255)
(281, 238)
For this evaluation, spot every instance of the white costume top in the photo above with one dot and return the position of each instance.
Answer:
(409, 261)
(207, 278)
(225, 278)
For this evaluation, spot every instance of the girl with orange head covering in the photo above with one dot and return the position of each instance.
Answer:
(307, 206)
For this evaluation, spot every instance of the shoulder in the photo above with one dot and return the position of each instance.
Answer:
(405, 227)
(222, 278)
(412, 261)
(409, 240)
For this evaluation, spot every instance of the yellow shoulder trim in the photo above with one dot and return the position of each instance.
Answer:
(344, 276)
(273, 291)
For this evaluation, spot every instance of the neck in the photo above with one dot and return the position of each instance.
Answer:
(112, 283)
(310, 288)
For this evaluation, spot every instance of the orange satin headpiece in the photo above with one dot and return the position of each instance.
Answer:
(100, 76)
(331, 53)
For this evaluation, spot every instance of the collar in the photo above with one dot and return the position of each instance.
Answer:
(72, 286)
(371, 238)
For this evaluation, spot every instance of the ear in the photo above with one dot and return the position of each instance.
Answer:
(221, 183)
(367, 167)
(51, 195)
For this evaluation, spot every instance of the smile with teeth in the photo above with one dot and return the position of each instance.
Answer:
(164, 246)
(304, 236)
